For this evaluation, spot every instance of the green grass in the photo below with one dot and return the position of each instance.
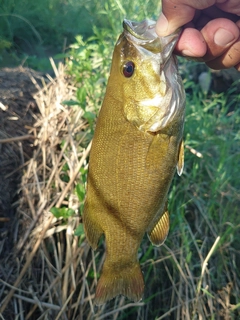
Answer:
(47, 27)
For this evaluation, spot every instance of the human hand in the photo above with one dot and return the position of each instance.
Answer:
(211, 30)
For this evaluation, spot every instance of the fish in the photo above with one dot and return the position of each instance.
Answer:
(136, 149)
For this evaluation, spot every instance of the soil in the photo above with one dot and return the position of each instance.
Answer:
(18, 111)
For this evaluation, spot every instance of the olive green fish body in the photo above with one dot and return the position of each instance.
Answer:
(135, 151)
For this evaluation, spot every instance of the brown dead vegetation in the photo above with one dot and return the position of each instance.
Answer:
(44, 272)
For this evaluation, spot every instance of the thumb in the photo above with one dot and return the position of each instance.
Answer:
(172, 17)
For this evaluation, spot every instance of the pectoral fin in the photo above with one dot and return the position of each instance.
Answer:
(180, 163)
(160, 231)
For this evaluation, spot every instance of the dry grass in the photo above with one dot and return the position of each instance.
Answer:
(50, 275)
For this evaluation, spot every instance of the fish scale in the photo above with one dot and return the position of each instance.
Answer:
(136, 148)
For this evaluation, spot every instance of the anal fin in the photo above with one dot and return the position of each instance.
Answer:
(160, 231)
(180, 163)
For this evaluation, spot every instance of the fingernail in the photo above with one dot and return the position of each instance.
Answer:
(162, 25)
(223, 37)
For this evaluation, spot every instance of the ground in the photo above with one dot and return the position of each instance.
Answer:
(18, 112)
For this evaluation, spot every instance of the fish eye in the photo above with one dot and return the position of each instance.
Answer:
(128, 69)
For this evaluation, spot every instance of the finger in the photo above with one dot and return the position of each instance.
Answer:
(215, 12)
(231, 58)
(191, 43)
(219, 34)
(173, 17)
(230, 6)
(175, 14)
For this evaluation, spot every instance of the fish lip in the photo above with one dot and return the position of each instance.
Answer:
(145, 30)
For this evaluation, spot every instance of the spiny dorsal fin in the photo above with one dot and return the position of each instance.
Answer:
(180, 163)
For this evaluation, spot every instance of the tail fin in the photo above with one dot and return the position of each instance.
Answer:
(128, 282)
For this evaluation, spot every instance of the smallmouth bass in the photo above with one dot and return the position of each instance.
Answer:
(136, 149)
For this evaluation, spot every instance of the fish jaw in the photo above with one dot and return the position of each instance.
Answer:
(143, 34)
(144, 30)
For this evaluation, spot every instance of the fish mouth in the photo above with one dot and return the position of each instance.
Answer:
(144, 30)
(143, 34)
